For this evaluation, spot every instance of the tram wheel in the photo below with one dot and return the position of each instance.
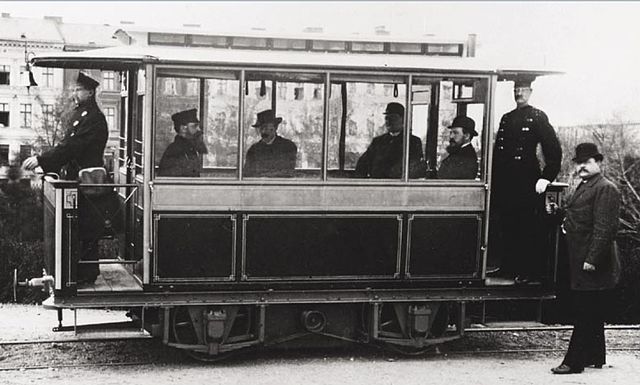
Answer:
(184, 333)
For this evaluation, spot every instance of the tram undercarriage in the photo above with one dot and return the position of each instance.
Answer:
(213, 332)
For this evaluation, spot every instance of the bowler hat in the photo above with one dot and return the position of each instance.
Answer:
(266, 116)
(584, 151)
(182, 118)
(86, 81)
(466, 123)
(394, 108)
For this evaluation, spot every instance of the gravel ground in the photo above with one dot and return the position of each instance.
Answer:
(148, 361)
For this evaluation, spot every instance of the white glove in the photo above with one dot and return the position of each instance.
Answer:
(541, 185)
(30, 163)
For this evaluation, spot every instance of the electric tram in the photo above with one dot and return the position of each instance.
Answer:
(223, 261)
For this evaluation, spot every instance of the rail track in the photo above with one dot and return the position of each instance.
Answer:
(472, 350)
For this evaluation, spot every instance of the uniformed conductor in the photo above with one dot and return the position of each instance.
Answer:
(82, 147)
(85, 138)
(517, 182)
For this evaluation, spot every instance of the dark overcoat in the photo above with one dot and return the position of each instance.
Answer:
(383, 158)
(460, 165)
(83, 144)
(591, 223)
(275, 160)
(181, 158)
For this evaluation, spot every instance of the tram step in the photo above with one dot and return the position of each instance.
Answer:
(506, 326)
(119, 330)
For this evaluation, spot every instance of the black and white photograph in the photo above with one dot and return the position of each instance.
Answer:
(319, 192)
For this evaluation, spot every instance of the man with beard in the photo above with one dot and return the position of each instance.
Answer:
(82, 148)
(183, 157)
(383, 158)
(462, 162)
(273, 156)
(518, 182)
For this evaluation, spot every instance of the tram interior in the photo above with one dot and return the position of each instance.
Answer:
(355, 116)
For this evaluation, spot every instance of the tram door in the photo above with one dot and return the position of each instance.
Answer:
(130, 162)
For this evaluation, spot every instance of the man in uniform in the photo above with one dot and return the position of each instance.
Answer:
(517, 184)
(462, 162)
(273, 156)
(183, 157)
(383, 158)
(590, 224)
(82, 147)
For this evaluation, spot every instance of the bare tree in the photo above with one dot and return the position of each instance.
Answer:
(53, 122)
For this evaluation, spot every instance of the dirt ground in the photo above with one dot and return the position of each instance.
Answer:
(149, 362)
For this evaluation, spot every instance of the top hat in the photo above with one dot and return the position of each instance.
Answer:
(182, 118)
(394, 108)
(266, 116)
(584, 151)
(86, 81)
(466, 123)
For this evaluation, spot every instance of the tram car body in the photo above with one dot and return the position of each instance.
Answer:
(225, 261)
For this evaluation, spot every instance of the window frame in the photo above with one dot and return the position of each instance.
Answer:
(169, 70)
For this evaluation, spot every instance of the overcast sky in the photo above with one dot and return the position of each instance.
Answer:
(596, 44)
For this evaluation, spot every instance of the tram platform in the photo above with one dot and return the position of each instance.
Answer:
(112, 278)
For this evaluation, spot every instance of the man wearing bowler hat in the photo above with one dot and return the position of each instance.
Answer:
(183, 157)
(273, 156)
(518, 182)
(590, 224)
(82, 147)
(462, 162)
(383, 158)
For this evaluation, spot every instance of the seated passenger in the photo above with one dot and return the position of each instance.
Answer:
(383, 158)
(462, 162)
(183, 157)
(273, 156)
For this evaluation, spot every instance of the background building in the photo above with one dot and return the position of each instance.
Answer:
(26, 111)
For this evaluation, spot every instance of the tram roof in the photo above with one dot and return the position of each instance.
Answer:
(123, 57)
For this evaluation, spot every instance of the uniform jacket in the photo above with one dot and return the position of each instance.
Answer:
(516, 168)
(181, 158)
(383, 158)
(274, 160)
(460, 165)
(83, 144)
(591, 223)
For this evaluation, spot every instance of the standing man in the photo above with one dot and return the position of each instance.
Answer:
(85, 138)
(462, 162)
(183, 157)
(383, 158)
(590, 223)
(273, 156)
(82, 147)
(517, 231)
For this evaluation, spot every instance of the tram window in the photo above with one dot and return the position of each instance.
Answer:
(207, 149)
(356, 109)
(436, 103)
(298, 107)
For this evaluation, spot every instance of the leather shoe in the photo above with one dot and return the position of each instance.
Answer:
(566, 369)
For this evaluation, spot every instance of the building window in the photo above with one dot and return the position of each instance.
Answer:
(4, 114)
(192, 87)
(25, 152)
(25, 115)
(47, 77)
(47, 114)
(110, 115)
(108, 81)
(5, 74)
(298, 93)
(170, 87)
(4, 154)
